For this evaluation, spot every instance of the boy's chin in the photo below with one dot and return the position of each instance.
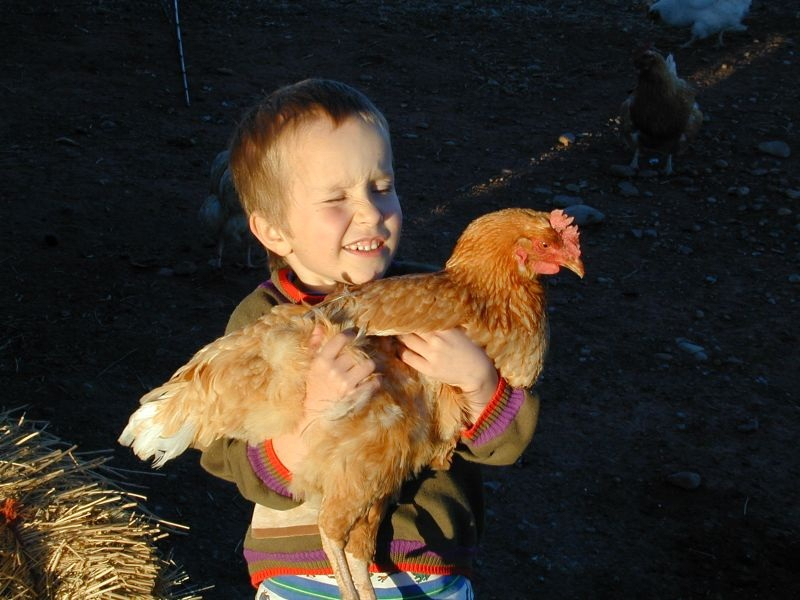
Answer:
(359, 276)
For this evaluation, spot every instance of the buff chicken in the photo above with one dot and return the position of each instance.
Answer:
(660, 114)
(250, 384)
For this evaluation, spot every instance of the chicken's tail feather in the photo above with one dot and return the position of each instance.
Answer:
(150, 438)
(247, 385)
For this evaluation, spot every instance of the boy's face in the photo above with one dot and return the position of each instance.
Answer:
(343, 212)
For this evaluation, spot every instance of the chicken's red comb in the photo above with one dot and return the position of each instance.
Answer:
(562, 223)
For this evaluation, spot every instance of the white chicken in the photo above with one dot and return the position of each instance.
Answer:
(221, 213)
(706, 17)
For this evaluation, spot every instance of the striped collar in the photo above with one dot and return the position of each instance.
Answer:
(287, 287)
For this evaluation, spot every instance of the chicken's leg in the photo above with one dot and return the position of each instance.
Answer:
(635, 160)
(334, 550)
(668, 166)
(361, 548)
(359, 569)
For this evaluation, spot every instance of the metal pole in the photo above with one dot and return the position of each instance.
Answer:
(180, 54)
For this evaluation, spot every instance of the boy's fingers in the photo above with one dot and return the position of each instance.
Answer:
(361, 370)
(411, 358)
(370, 385)
(316, 339)
(334, 346)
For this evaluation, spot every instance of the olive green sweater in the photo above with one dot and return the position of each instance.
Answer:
(437, 522)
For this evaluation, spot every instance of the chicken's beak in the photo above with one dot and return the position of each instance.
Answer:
(576, 266)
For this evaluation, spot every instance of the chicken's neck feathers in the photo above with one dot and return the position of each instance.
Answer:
(502, 297)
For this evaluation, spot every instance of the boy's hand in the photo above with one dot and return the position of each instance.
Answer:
(332, 375)
(452, 358)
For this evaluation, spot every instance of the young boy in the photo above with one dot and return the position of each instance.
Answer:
(313, 167)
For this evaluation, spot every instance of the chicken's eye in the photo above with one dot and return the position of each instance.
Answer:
(543, 245)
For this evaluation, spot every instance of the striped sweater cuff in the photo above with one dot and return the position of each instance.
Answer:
(269, 469)
(497, 415)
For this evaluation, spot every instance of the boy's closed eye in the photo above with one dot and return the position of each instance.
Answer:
(383, 186)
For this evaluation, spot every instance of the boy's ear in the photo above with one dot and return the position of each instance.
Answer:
(271, 237)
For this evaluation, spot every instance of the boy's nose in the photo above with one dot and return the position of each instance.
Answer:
(368, 212)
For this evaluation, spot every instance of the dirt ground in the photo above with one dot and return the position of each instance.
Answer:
(107, 287)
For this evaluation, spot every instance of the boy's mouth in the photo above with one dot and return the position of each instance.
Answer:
(364, 245)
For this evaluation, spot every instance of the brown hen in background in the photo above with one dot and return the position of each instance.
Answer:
(660, 114)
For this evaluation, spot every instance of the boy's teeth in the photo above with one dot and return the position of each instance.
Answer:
(363, 246)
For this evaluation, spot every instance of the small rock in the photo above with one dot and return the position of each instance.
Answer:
(740, 191)
(794, 278)
(775, 148)
(584, 215)
(749, 426)
(721, 163)
(686, 480)
(562, 200)
(623, 171)
(67, 141)
(696, 350)
(627, 189)
(181, 141)
(185, 267)
(792, 194)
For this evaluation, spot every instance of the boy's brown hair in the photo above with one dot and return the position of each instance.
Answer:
(257, 159)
